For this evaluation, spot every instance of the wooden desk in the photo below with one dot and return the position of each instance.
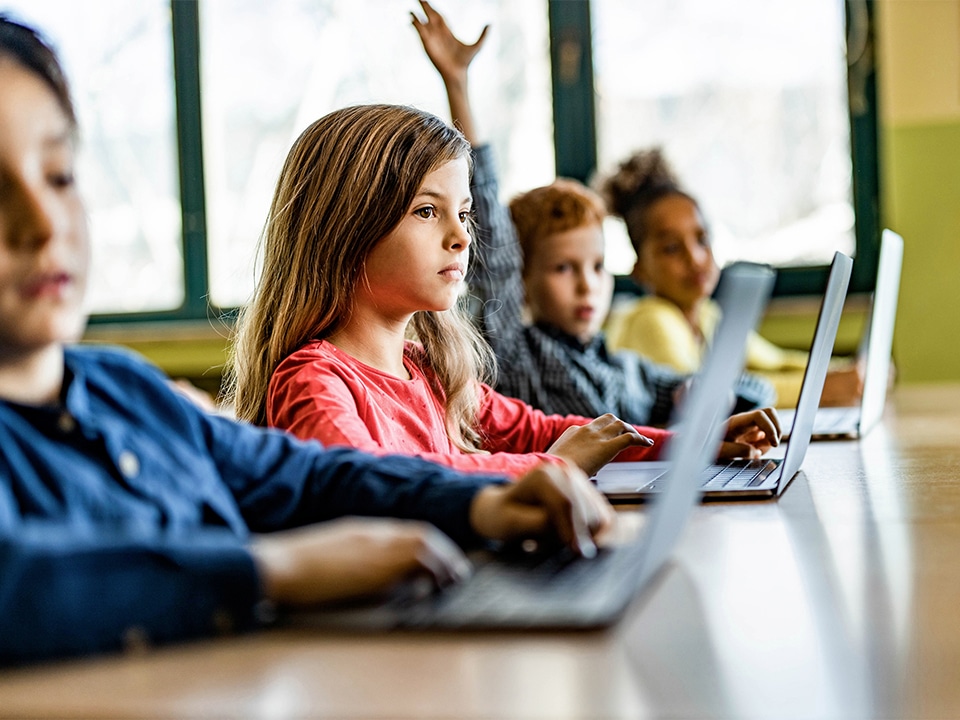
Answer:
(839, 601)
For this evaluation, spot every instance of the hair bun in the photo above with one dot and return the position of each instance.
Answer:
(644, 173)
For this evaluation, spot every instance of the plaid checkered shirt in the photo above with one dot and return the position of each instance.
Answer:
(545, 367)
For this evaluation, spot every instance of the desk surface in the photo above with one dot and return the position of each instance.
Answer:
(839, 600)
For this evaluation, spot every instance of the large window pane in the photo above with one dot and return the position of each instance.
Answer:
(269, 69)
(748, 99)
(117, 55)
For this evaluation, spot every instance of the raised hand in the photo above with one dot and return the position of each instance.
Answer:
(449, 56)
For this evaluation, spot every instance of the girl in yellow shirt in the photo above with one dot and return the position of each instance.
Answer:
(675, 264)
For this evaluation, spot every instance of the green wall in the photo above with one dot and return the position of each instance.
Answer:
(921, 201)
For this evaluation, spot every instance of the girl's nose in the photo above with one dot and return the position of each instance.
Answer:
(33, 218)
(459, 238)
(699, 254)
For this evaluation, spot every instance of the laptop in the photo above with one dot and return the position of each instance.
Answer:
(558, 590)
(876, 348)
(750, 479)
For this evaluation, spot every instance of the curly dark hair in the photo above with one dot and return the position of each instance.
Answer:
(640, 181)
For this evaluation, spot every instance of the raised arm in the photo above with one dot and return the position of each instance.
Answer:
(496, 264)
(451, 58)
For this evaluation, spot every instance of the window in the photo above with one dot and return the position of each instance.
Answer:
(178, 181)
(748, 99)
(117, 56)
(269, 70)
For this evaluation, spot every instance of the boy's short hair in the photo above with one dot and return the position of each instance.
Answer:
(562, 205)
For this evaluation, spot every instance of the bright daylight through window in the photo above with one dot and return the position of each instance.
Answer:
(749, 101)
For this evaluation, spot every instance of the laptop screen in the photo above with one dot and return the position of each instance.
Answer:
(883, 315)
(831, 308)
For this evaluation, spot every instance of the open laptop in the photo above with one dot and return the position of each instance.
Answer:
(750, 479)
(876, 348)
(557, 590)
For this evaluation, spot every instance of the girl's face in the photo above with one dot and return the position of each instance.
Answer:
(566, 283)
(44, 249)
(422, 262)
(675, 260)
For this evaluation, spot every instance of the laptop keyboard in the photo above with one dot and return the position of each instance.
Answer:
(536, 590)
(736, 474)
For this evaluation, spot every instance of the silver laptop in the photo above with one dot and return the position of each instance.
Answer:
(544, 590)
(876, 347)
(750, 479)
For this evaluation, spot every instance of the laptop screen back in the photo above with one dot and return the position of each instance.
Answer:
(831, 308)
(883, 317)
(742, 298)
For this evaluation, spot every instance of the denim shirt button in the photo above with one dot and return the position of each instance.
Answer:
(129, 464)
(66, 423)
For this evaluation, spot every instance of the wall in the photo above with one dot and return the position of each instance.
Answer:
(918, 68)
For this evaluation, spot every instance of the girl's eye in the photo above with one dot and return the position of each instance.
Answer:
(562, 268)
(425, 212)
(61, 179)
(464, 217)
(598, 268)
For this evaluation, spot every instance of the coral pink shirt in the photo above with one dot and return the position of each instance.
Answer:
(323, 393)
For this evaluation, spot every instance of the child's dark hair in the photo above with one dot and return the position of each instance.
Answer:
(28, 48)
(639, 182)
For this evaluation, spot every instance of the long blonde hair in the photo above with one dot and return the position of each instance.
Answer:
(347, 182)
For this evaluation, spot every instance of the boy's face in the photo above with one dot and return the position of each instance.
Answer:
(566, 283)
(44, 250)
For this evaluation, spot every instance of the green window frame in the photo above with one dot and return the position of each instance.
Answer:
(575, 137)
(575, 142)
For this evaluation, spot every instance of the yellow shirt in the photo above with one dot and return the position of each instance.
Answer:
(656, 328)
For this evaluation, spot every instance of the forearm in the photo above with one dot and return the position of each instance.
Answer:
(280, 482)
(461, 112)
(69, 593)
(496, 265)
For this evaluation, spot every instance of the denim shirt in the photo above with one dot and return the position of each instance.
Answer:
(125, 509)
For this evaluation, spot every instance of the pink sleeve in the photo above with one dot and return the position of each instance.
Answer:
(512, 424)
(313, 404)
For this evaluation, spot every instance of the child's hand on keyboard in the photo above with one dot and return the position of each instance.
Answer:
(750, 434)
(354, 558)
(550, 500)
(593, 445)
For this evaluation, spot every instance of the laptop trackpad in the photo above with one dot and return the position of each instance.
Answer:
(629, 476)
